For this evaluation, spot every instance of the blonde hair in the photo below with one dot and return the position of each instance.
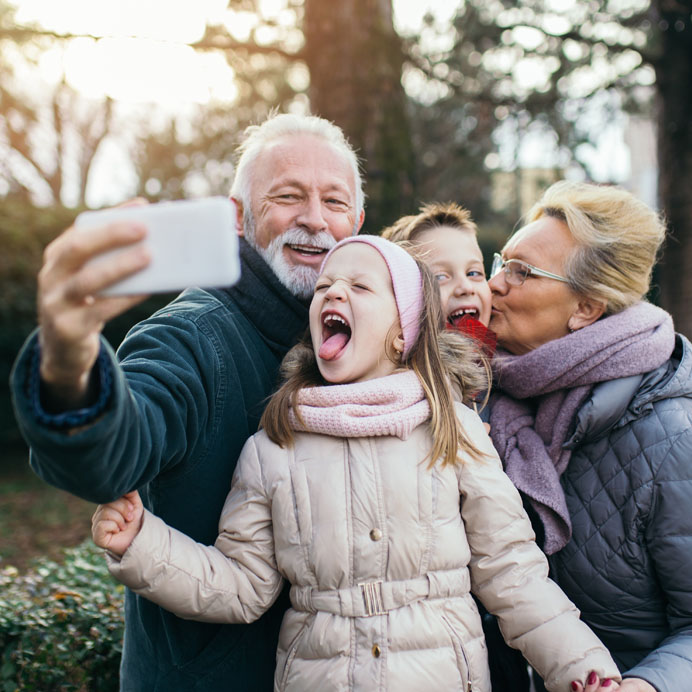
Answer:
(434, 215)
(618, 239)
(446, 363)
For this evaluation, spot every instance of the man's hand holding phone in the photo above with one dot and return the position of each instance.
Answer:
(109, 261)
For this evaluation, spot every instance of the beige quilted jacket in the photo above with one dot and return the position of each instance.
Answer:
(381, 561)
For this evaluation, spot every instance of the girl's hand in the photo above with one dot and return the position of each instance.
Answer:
(595, 684)
(115, 525)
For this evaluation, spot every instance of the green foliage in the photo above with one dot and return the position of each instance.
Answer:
(24, 232)
(61, 625)
(507, 72)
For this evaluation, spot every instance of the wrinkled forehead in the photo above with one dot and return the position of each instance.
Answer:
(303, 159)
(514, 240)
(546, 239)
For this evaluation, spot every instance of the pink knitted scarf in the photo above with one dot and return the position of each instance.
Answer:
(391, 405)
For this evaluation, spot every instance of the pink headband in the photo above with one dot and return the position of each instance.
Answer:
(406, 281)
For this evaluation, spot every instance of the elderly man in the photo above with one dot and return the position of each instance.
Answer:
(170, 414)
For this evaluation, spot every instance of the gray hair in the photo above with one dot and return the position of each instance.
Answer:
(618, 239)
(257, 137)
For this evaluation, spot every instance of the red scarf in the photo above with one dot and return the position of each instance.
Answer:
(484, 337)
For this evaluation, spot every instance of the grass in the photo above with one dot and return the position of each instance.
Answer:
(36, 519)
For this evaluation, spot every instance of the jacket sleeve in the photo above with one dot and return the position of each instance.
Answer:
(235, 580)
(509, 574)
(162, 401)
(669, 544)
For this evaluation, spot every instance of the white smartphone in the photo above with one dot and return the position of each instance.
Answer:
(192, 243)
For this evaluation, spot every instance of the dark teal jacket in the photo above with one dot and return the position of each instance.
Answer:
(188, 390)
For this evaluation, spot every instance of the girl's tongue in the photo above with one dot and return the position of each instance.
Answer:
(333, 345)
(336, 333)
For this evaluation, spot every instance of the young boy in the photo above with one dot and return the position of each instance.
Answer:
(445, 238)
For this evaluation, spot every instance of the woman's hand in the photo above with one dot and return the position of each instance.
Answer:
(635, 685)
(594, 684)
(115, 525)
(627, 685)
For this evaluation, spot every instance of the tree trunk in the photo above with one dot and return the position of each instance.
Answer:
(674, 104)
(355, 60)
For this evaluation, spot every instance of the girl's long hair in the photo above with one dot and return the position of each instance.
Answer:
(449, 365)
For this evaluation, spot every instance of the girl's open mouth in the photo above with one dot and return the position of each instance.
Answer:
(336, 333)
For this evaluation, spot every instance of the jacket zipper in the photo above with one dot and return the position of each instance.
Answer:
(458, 645)
(292, 655)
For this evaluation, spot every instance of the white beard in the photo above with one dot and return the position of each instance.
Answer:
(297, 278)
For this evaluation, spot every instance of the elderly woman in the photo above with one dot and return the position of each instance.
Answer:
(592, 416)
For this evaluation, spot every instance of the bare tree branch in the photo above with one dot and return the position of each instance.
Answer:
(216, 38)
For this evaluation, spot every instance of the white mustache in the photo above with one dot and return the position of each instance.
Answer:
(299, 236)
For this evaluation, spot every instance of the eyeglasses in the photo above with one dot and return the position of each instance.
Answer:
(516, 271)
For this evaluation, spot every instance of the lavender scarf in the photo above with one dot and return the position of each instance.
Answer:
(537, 396)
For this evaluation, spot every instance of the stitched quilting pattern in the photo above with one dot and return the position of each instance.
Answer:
(623, 492)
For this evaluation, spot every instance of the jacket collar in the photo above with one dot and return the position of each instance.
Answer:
(617, 402)
(674, 378)
(278, 316)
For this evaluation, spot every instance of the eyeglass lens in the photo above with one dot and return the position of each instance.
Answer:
(516, 272)
(498, 265)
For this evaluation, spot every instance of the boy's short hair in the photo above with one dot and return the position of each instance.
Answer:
(431, 216)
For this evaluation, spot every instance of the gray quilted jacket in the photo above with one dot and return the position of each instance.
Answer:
(628, 566)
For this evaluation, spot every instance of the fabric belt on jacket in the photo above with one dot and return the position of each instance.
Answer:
(379, 597)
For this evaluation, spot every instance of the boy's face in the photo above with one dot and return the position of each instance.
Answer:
(457, 263)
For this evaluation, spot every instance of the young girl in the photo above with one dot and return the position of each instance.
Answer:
(445, 238)
(380, 500)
